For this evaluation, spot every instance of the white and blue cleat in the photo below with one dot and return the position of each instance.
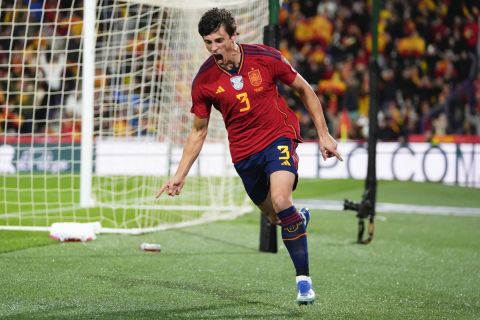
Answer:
(305, 295)
(305, 213)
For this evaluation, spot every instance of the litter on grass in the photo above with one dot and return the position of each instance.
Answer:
(74, 231)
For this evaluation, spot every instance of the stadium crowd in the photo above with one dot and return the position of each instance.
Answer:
(39, 58)
(429, 74)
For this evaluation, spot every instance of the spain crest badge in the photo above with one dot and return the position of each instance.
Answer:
(255, 77)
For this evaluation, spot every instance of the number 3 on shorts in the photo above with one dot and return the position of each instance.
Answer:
(285, 155)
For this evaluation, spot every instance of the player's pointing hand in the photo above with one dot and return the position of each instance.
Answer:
(328, 148)
(172, 187)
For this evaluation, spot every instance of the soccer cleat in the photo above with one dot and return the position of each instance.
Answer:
(305, 213)
(305, 295)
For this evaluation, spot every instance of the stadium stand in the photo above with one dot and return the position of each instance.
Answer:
(428, 57)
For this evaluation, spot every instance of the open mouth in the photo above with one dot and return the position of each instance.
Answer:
(218, 57)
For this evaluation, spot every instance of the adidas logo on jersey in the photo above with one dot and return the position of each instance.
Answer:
(286, 163)
(219, 90)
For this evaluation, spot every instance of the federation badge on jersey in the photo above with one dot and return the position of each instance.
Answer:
(237, 82)
(255, 77)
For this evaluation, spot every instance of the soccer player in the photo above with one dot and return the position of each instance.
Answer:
(239, 80)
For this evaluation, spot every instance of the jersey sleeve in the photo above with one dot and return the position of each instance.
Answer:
(201, 105)
(283, 70)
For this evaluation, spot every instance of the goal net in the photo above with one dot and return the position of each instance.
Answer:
(96, 109)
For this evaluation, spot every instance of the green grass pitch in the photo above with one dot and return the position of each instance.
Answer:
(417, 267)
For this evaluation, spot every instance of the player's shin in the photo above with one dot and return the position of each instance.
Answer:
(294, 237)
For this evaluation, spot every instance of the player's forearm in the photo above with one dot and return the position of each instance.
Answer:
(314, 108)
(191, 150)
(312, 104)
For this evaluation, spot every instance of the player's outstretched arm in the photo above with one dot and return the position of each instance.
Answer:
(328, 145)
(191, 150)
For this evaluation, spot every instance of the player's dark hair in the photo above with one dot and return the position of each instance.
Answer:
(213, 19)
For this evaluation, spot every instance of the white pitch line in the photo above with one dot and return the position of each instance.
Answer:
(393, 208)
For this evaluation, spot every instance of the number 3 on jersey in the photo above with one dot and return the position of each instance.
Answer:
(243, 97)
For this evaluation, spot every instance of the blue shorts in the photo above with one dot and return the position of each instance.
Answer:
(255, 170)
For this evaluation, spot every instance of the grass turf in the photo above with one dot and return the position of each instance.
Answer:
(418, 267)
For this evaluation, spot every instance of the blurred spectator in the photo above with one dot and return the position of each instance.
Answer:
(440, 125)
(52, 65)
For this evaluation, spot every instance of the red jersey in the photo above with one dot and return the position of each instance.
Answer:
(254, 113)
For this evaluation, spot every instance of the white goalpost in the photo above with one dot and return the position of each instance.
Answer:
(97, 108)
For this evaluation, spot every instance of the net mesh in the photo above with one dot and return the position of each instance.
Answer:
(146, 55)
